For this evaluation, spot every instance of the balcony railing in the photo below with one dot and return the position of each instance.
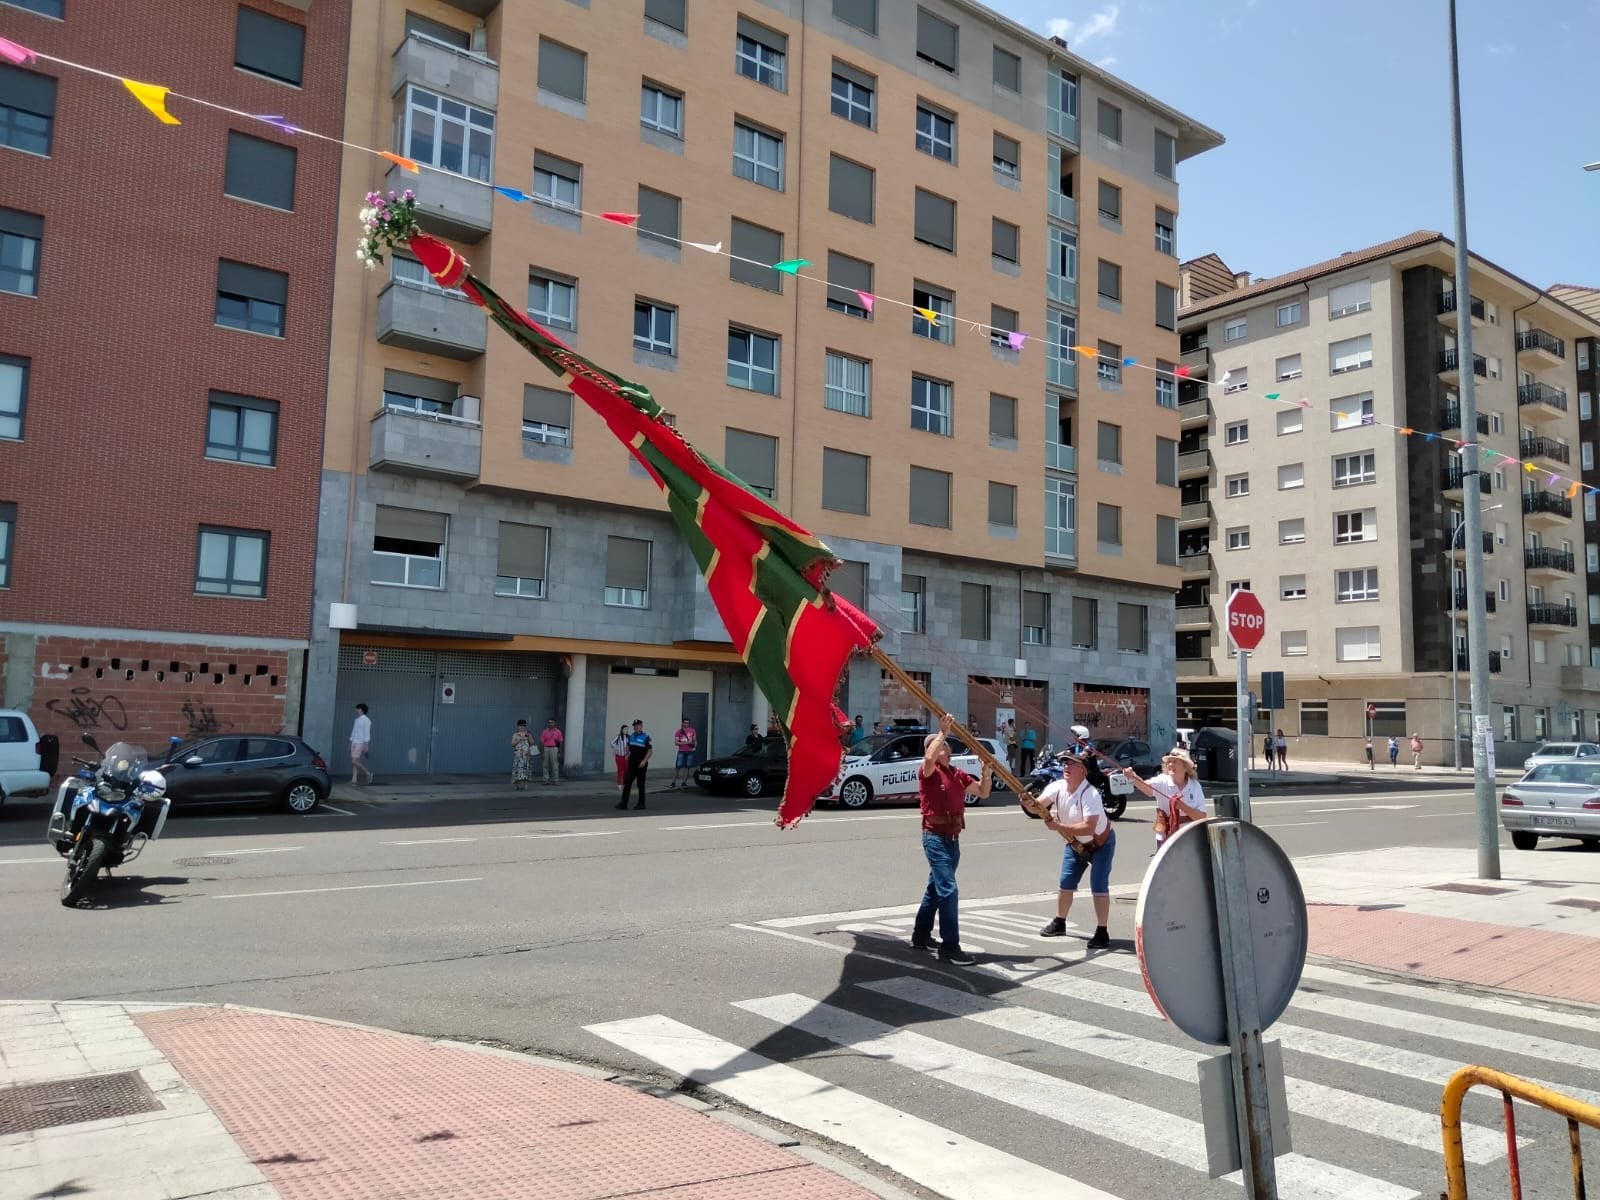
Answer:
(1198, 510)
(1192, 615)
(1194, 460)
(1456, 543)
(1543, 447)
(1450, 418)
(1459, 601)
(1544, 558)
(1447, 304)
(1542, 393)
(1063, 206)
(1060, 371)
(1538, 339)
(1061, 458)
(1450, 360)
(1494, 662)
(1197, 360)
(1194, 410)
(1454, 476)
(1064, 125)
(1552, 614)
(1546, 502)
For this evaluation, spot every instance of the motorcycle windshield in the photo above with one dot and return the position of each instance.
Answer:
(123, 762)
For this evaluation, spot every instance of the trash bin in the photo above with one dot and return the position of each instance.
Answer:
(1214, 752)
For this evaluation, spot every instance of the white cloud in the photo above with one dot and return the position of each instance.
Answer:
(1100, 24)
(1107, 62)
(1501, 49)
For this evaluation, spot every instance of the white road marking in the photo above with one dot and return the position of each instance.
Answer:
(1115, 1118)
(1287, 824)
(937, 1158)
(1486, 1005)
(262, 850)
(1315, 811)
(21, 862)
(230, 818)
(343, 812)
(354, 887)
(1378, 1118)
(429, 841)
(574, 833)
(1467, 812)
(903, 910)
(1007, 842)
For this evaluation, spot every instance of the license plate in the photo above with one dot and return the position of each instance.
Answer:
(1120, 786)
(1559, 822)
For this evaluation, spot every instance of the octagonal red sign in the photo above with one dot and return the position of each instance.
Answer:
(1247, 621)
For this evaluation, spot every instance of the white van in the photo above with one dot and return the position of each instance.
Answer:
(22, 769)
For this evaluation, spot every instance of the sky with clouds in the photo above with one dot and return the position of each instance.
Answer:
(1337, 119)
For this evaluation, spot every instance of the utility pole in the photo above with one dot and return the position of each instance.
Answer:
(1471, 458)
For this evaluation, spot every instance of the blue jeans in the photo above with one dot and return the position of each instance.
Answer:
(944, 855)
(1098, 866)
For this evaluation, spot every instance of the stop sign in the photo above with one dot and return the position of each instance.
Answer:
(1247, 622)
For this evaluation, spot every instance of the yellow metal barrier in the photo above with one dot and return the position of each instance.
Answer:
(1455, 1164)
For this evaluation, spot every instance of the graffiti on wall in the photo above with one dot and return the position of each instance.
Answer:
(202, 718)
(83, 710)
(1112, 712)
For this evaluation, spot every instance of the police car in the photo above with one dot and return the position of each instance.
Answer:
(887, 767)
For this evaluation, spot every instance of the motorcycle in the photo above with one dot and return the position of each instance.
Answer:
(1114, 789)
(105, 815)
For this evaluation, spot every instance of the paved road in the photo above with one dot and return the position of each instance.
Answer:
(683, 940)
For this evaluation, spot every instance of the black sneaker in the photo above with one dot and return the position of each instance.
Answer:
(1055, 927)
(956, 957)
(1101, 939)
(624, 804)
(923, 943)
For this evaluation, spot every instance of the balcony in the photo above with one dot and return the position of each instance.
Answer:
(451, 206)
(432, 445)
(1581, 679)
(1061, 458)
(1194, 413)
(430, 321)
(1190, 668)
(1458, 603)
(1450, 365)
(1458, 549)
(1196, 564)
(1450, 418)
(1447, 308)
(1061, 371)
(1196, 513)
(1546, 508)
(1454, 478)
(1543, 560)
(1193, 619)
(1494, 662)
(1198, 361)
(1546, 448)
(1545, 349)
(1063, 206)
(452, 72)
(1063, 124)
(1061, 289)
(1541, 402)
(1193, 463)
(1553, 614)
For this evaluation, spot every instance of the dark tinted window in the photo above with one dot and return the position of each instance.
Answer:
(270, 46)
(220, 750)
(258, 748)
(13, 730)
(259, 170)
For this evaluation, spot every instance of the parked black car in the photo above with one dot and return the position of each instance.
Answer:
(249, 768)
(751, 770)
(1132, 752)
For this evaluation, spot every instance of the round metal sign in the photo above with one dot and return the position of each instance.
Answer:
(1180, 955)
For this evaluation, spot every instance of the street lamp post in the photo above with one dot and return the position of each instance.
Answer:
(1455, 660)
(1594, 166)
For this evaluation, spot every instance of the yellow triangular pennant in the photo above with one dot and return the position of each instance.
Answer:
(928, 315)
(154, 97)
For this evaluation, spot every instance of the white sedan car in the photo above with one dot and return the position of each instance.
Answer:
(887, 767)
(1551, 752)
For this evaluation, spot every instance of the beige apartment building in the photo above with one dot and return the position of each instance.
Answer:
(490, 552)
(1348, 527)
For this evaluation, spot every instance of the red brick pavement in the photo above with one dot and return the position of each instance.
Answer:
(333, 1113)
(1558, 966)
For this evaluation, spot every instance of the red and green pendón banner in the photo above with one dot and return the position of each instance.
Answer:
(765, 573)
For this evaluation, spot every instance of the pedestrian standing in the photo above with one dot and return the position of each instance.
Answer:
(550, 740)
(1283, 751)
(1416, 751)
(360, 743)
(1029, 750)
(521, 756)
(638, 763)
(1370, 765)
(1394, 751)
(943, 789)
(1012, 747)
(1178, 795)
(685, 740)
(1078, 814)
(1269, 750)
(619, 751)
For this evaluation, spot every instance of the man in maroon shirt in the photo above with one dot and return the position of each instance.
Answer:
(944, 790)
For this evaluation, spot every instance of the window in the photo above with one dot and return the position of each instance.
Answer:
(1359, 525)
(848, 385)
(1002, 324)
(661, 110)
(1166, 462)
(250, 298)
(1359, 584)
(450, 135)
(937, 41)
(1108, 524)
(563, 71)
(759, 54)
(853, 94)
(849, 279)
(1237, 485)
(1292, 643)
(242, 429)
(1288, 314)
(655, 327)
(1003, 239)
(557, 183)
(1108, 443)
(1108, 365)
(1351, 469)
(1166, 385)
(1167, 541)
(752, 361)
(1349, 298)
(1352, 412)
(930, 405)
(935, 221)
(435, 31)
(408, 548)
(21, 235)
(1239, 537)
(1292, 532)
(753, 457)
(1085, 623)
(1166, 232)
(1238, 585)
(1291, 475)
(1166, 155)
(754, 250)
(1110, 202)
(552, 300)
(1591, 511)
(1592, 562)
(1007, 70)
(849, 582)
(930, 497)
(1352, 354)
(269, 46)
(27, 110)
(1313, 718)
(1035, 618)
(975, 612)
(1166, 307)
(1236, 433)
(1236, 380)
(8, 526)
(927, 299)
(45, 8)
(231, 562)
(405, 392)
(1236, 329)
(936, 133)
(1060, 517)
(1133, 628)
(1007, 156)
(1002, 505)
(1108, 120)
(758, 156)
(1110, 282)
(521, 558)
(668, 12)
(1061, 272)
(1586, 456)
(1538, 650)
(627, 572)
(258, 170)
(844, 481)
(1290, 420)
(1357, 645)
(1585, 405)
(14, 396)
(850, 189)
(1288, 367)
(912, 591)
(546, 415)
(1291, 587)
(1583, 356)
(1002, 418)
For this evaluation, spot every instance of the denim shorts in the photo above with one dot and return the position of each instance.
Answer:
(1099, 868)
(685, 758)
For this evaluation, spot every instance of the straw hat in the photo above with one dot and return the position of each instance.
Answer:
(1179, 754)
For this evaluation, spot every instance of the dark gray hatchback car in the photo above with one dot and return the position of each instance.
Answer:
(247, 768)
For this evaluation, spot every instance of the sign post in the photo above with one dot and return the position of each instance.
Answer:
(1247, 623)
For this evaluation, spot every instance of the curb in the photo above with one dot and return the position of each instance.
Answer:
(1554, 1004)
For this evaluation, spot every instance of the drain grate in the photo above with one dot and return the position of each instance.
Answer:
(1546, 883)
(31, 1106)
(205, 860)
(1579, 902)
(1472, 889)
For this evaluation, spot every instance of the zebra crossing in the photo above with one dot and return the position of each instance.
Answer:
(1046, 1072)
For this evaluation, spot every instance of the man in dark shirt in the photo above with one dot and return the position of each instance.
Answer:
(944, 791)
(638, 762)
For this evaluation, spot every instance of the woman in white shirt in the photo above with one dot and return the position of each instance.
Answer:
(1178, 795)
(1078, 814)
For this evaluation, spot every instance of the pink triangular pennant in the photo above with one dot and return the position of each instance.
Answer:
(867, 300)
(1016, 339)
(14, 53)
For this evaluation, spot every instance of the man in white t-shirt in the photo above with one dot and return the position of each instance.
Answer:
(360, 743)
(1078, 814)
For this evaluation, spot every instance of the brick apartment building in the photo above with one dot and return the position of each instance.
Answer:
(164, 313)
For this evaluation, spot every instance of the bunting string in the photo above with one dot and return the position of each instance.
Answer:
(157, 98)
